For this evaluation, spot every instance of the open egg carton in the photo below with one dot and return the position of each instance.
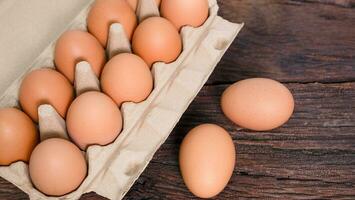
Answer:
(113, 169)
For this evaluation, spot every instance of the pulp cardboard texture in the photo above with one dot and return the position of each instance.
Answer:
(113, 169)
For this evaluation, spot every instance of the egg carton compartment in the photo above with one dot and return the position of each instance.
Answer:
(114, 168)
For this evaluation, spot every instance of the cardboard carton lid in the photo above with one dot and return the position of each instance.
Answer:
(27, 28)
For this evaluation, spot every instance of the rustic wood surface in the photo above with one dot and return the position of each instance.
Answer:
(310, 46)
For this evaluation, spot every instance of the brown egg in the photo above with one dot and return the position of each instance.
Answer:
(134, 3)
(207, 159)
(258, 104)
(127, 78)
(156, 39)
(185, 12)
(57, 167)
(105, 12)
(93, 118)
(75, 46)
(45, 86)
(18, 136)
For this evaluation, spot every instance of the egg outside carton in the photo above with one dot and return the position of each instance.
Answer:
(147, 124)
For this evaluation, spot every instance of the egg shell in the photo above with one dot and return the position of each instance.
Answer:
(93, 118)
(185, 12)
(57, 167)
(105, 12)
(156, 39)
(18, 136)
(127, 78)
(45, 86)
(207, 159)
(258, 104)
(75, 46)
(134, 3)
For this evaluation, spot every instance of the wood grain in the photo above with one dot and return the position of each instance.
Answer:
(307, 44)
(291, 41)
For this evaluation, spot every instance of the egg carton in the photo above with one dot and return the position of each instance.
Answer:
(113, 169)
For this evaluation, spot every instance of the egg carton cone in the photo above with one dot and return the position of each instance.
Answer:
(113, 169)
(51, 124)
(118, 41)
(85, 78)
(146, 9)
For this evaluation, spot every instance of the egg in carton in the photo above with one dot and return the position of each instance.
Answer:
(113, 169)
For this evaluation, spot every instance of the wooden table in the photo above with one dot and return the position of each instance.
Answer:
(310, 46)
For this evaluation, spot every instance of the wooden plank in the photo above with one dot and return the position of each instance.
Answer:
(291, 41)
(9, 192)
(342, 3)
